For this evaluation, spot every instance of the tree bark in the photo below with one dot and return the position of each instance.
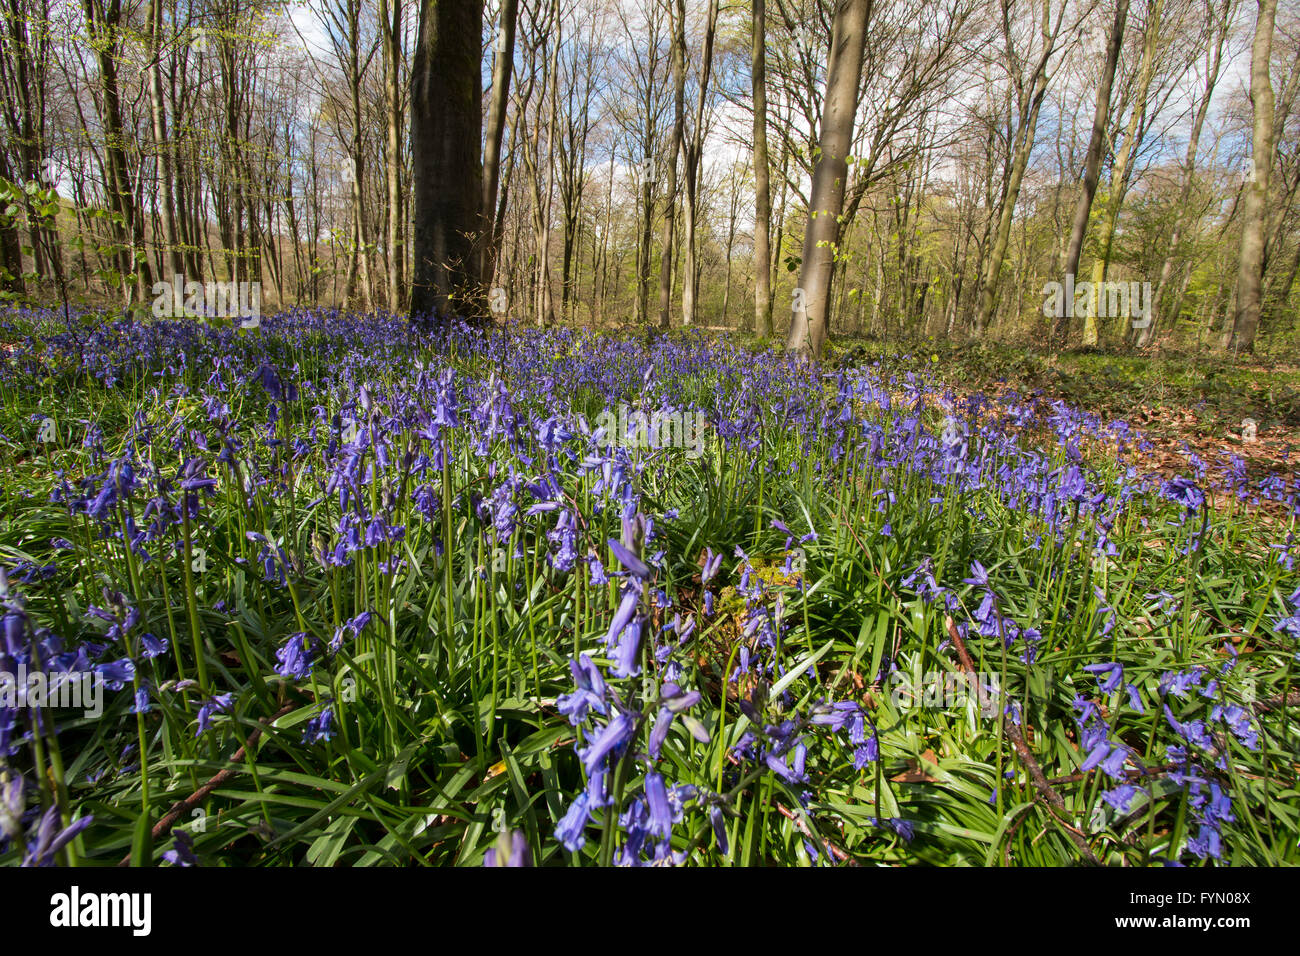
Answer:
(1219, 28)
(1092, 163)
(693, 152)
(809, 318)
(674, 147)
(390, 27)
(1120, 173)
(1030, 104)
(502, 69)
(1250, 271)
(762, 185)
(446, 132)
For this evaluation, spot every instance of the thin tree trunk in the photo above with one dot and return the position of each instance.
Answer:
(694, 154)
(390, 25)
(810, 317)
(674, 146)
(1221, 27)
(762, 186)
(502, 69)
(1023, 145)
(1092, 164)
(1119, 173)
(1250, 272)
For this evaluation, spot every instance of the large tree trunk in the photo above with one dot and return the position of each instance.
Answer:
(1250, 273)
(762, 187)
(826, 196)
(446, 132)
(1092, 163)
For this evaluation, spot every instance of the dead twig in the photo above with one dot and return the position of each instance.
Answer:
(1055, 805)
(164, 825)
(831, 848)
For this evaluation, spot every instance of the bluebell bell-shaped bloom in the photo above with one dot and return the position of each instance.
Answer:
(511, 849)
(319, 728)
(571, 830)
(660, 810)
(151, 646)
(608, 740)
(1114, 675)
(50, 837)
(590, 693)
(624, 614)
(634, 565)
(116, 674)
(182, 851)
(216, 705)
(296, 657)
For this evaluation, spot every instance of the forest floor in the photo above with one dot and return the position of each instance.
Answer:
(1181, 402)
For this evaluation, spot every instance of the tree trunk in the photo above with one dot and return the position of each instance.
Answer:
(1029, 106)
(446, 132)
(175, 263)
(1220, 29)
(694, 154)
(1250, 273)
(674, 146)
(103, 26)
(1092, 164)
(502, 68)
(809, 318)
(390, 26)
(1119, 173)
(762, 187)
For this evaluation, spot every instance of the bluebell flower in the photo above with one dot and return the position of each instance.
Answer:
(219, 704)
(50, 838)
(608, 740)
(571, 831)
(1114, 675)
(151, 646)
(718, 822)
(635, 566)
(296, 657)
(319, 727)
(658, 806)
(1121, 797)
(182, 851)
(116, 674)
(511, 849)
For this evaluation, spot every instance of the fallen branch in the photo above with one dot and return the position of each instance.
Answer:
(1055, 805)
(831, 849)
(164, 825)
